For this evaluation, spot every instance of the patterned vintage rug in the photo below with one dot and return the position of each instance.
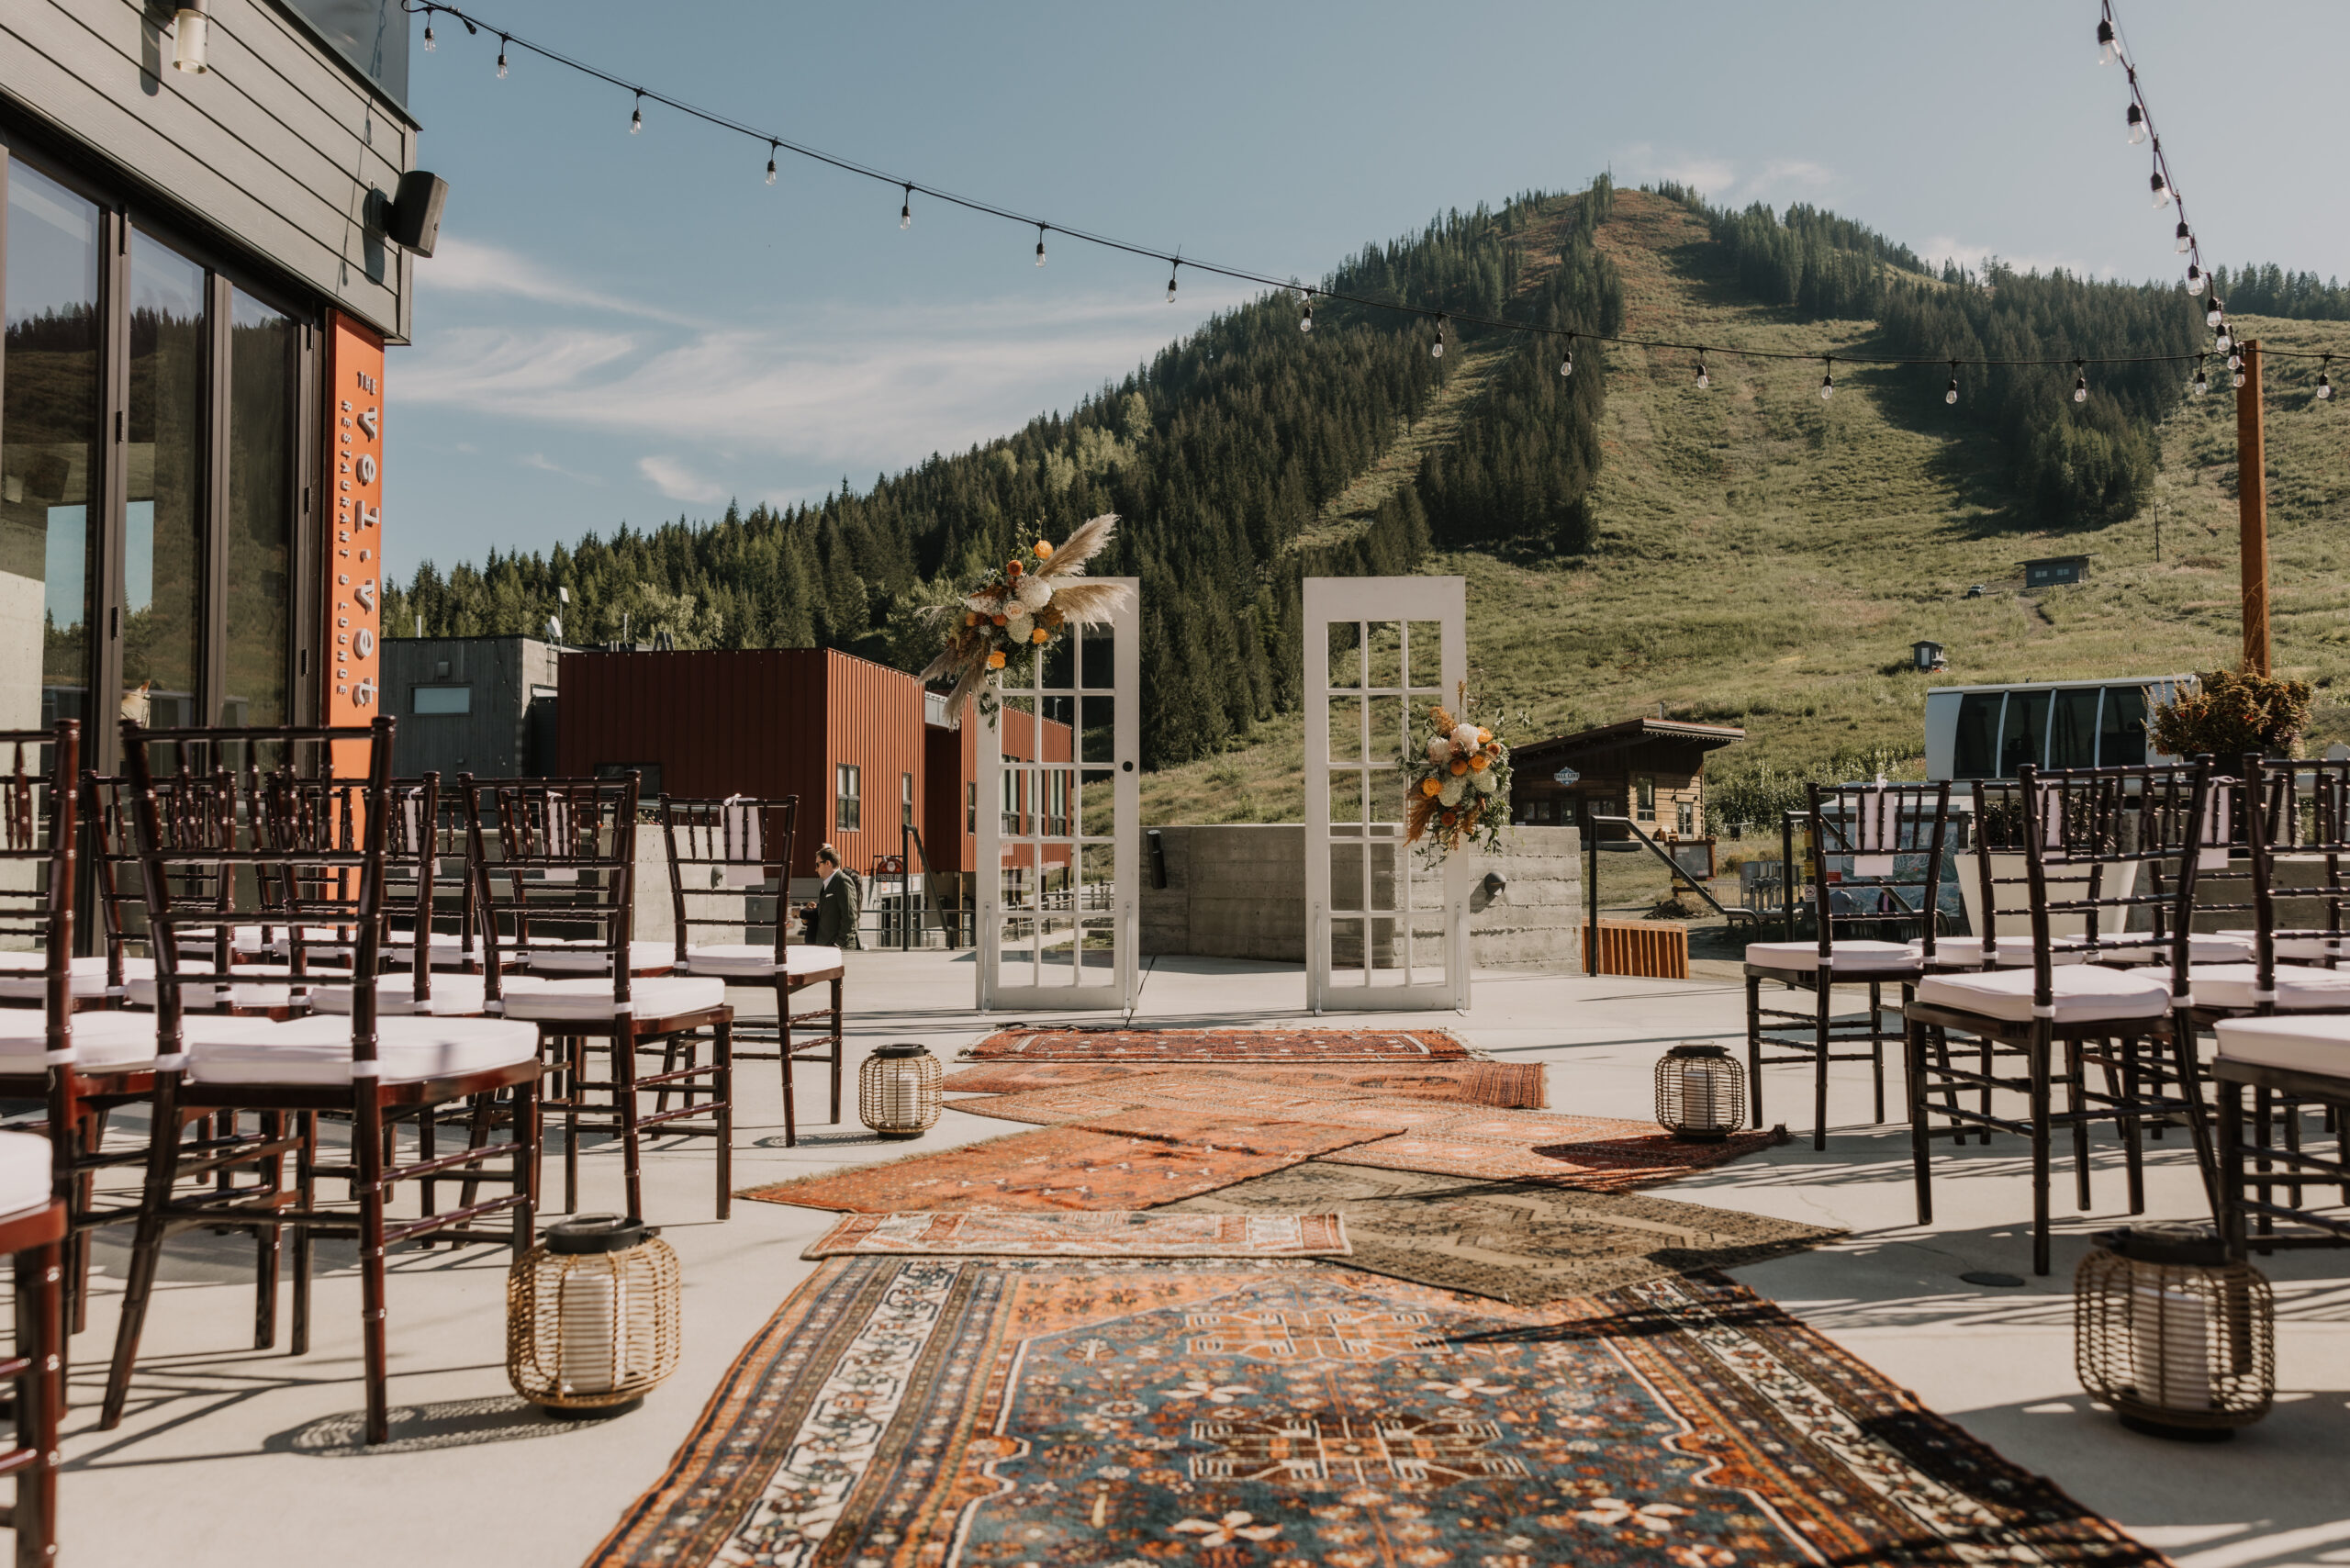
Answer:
(1105, 1233)
(1307, 1045)
(1214, 1098)
(1517, 1241)
(1520, 1086)
(950, 1411)
(1137, 1159)
(1598, 1153)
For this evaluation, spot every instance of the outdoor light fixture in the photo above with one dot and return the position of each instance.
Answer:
(501, 57)
(1952, 396)
(2107, 49)
(2225, 343)
(2202, 382)
(1305, 322)
(2161, 188)
(188, 39)
(897, 1093)
(1704, 380)
(592, 1315)
(771, 149)
(2324, 382)
(1828, 381)
(2137, 125)
(1567, 359)
(1700, 1093)
(2186, 239)
(636, 116)
(906, 209)
(2194, 279)
(2175, 1338)
(1171, 264)
(1040, 244)
(429, 44)
(2080, 382)
(1437, 352)
(2216, 313)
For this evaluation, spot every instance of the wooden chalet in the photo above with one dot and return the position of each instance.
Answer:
(1652, 770)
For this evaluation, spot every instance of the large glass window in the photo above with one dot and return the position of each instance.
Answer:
(1979, 721)
(2122, 743)
(164, 560)
(50, 425)
(263, 371)
(2072, 739)
(2024, 732)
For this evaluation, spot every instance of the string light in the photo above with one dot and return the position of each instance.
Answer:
(429, 45)
(2216, 312)
(771, 152)
(501, 57)
(1567, 357)
(1952, 395)
(2324, 381)
(2225, 342)
(1437, 352)
(2080, 381)
(1040, 244)
(2202, 382)
(1172, 263)
(2186, 241)
(2137, 126)
(1704, 380)
(2235, 376)
(2161, 188)
(1306, 321)
(2195, 284)
(2108, 49)
(2235, 356)
(636, 116)
(1828, 381)
(906, 208)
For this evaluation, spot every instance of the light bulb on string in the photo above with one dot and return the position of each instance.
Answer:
(772, 146)
(1040, 244)
(2160, 186)
(1172, 263)
(1438, 351)
(906, 209)
(2202, 382)
(1305, 320)
(1567, 358)
(2225, 342)
(636, 116)
(2235, 356)
(502, 42)
(2186, 241)
(1951, 396)
(2324, 381)
(429, 44)
(1704, 380)
(2235, 378)
(2137, 120)
(2194, 278)
(2080, 381)
(2109, 48)
(2216, 312)
(1828, 381)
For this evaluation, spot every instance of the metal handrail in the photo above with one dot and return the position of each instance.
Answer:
(1680, 872)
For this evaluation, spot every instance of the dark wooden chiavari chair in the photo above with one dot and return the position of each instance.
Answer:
(730, 878)
(2100, 847)
(1878, 826)
(307, 843)
(33, 1226)
(563, 858)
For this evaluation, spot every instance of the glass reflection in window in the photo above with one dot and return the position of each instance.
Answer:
(163, 634)
(261, 345)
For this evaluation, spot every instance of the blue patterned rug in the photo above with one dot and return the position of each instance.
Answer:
(925, 1413)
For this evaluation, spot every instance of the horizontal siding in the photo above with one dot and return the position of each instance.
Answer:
(277, 149)
(873, 719)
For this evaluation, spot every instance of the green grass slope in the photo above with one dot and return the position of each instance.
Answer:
(1766, 558)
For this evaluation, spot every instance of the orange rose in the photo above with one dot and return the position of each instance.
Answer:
(1460, 767)
(1012, 567)
(997, 619)
(970, 618)
(1484, 737)
(1478, 763)
(1450, 817)
(1043, 551)
(1040, 636)
(995, 660)
(1432, 787)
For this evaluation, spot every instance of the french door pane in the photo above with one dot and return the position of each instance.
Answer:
(163, 634)
(50, 426)
(262, 370)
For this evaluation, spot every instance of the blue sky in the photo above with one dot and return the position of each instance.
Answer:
(625, 328)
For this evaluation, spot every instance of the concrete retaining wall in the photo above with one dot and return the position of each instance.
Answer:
(1238, 891)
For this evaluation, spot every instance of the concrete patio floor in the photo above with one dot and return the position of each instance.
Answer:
(232, 1456)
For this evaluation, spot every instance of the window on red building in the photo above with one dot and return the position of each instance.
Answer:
(847, 787)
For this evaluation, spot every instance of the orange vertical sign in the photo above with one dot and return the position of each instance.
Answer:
(352, 666)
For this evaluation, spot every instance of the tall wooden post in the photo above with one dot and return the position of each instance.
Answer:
(2252, 513)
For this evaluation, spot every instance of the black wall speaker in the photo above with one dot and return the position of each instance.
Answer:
(413, 220)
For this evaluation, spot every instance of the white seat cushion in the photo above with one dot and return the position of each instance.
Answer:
(28, 982)
(2318, 1043)
(446, 950)
(104, 1041)
(552, 1000)
(253, 985)
(25, 1181)
(2300, 949)
(2083, 992)
(1852, 958)
(2203, 948)
(2014, 951)
(316, 1051)
(454, 996)
(2297, 987)
(756, 959)
(595, 960)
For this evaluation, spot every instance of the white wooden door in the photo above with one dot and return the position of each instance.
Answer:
(1384, 932)
(1059, 798)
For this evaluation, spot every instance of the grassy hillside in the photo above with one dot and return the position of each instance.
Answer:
(1766, 559)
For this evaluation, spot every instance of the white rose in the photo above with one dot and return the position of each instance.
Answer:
(1451, 792)
(1017, 628)
(1483, 781)
(1035, 592)
(1464, 738)
(1439, 751)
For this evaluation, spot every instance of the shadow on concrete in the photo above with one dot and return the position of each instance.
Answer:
(449, 1424)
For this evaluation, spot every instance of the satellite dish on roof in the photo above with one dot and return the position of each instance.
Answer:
(1566, 776)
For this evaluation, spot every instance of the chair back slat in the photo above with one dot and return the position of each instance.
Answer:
(2103, 845)
(725, 857)
(38, 838)
(1880, 827)
(2299, 817)
(552, 857)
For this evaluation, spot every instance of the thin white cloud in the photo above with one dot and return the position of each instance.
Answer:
(1726, 182)
(467, 266)
(545, 464)
(1949, 248)
(679, 483)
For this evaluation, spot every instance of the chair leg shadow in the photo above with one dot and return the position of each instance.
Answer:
(448, 1424)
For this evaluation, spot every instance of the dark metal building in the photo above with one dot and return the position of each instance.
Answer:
(479, 705)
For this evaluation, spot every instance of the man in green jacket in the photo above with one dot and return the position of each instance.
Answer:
(836, 903)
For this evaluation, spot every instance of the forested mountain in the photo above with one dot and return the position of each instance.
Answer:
(1242, 458)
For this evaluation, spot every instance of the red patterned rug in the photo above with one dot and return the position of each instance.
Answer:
(1520, 1086)
(942, 1411)
(1600, 1154)
(1306, 1045)
(1134, 1160)
(1103, 1233)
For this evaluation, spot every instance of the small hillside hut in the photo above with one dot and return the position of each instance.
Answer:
(1650, 770)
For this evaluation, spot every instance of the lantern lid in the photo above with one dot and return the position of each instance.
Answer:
(2190, 1243)
(900, 1049)
(597, 1233)
(1697, 1048)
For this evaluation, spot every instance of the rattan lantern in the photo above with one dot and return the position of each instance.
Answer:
(2179, 1341)
(592, 1315)
(897, 1091)
(1700, 1093)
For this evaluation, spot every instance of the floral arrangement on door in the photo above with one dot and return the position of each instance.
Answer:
(1458, 780)
(1022, 609)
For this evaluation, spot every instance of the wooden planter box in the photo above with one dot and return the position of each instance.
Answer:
(1654, 949)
